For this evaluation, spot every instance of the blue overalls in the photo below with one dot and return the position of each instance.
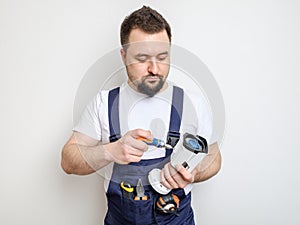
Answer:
(122, 210)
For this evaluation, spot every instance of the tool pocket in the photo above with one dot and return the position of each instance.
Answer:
(138, 211)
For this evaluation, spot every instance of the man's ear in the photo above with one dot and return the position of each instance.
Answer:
(123, 55)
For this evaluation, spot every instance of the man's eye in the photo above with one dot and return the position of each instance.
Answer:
(142, 58)
(162, 57)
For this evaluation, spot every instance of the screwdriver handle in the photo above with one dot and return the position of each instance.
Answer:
(155, 142)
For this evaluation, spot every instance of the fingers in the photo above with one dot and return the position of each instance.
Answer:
(133, 145)
(122, 153)
(128, 149)
(178, 177)
(187, 175)
(141, 133)
(168, 175)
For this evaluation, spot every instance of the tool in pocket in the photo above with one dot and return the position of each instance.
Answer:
(127, 189)
(168, 204)
(140, 191)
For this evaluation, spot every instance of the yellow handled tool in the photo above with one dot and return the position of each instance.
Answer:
(127, 189)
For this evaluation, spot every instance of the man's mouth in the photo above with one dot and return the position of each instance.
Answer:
(152, 78)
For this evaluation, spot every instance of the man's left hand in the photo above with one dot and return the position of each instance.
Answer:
(178, 177)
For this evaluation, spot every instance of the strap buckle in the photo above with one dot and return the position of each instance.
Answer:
(114, 137)
(173, 138)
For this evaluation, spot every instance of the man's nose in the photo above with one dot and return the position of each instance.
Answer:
(153, 66)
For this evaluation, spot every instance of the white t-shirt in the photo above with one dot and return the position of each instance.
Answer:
(137, 110)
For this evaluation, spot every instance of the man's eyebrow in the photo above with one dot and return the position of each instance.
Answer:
(144, 54)
(141, 55)
(163, 53)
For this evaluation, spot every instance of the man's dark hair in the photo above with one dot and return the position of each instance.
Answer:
(146, 19)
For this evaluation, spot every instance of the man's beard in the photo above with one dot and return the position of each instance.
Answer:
(150, 90)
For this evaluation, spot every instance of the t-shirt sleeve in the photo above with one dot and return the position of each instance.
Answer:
(205, 122)
(89, 122)
(204, 116)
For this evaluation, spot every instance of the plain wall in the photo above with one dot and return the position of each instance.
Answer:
(251, 48)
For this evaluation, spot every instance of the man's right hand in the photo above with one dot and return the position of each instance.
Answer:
(128, 149)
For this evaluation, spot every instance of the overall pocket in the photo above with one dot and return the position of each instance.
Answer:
(138, 211)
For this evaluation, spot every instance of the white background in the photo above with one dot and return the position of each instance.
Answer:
(252, 49)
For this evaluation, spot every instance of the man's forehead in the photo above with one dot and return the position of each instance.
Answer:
(148, 48)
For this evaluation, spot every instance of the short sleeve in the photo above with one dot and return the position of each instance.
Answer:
(204, 115)
(205, 122)
(89, 122)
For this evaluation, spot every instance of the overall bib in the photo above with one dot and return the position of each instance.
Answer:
(127, 211)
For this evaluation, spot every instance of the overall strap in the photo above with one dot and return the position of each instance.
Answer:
(175, 118)
(113, 114)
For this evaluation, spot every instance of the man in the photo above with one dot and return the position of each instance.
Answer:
(109, 132)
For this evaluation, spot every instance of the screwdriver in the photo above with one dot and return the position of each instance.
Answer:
(156, 142)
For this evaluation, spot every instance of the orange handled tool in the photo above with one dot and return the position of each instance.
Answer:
(140, 192)
(155, 142)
